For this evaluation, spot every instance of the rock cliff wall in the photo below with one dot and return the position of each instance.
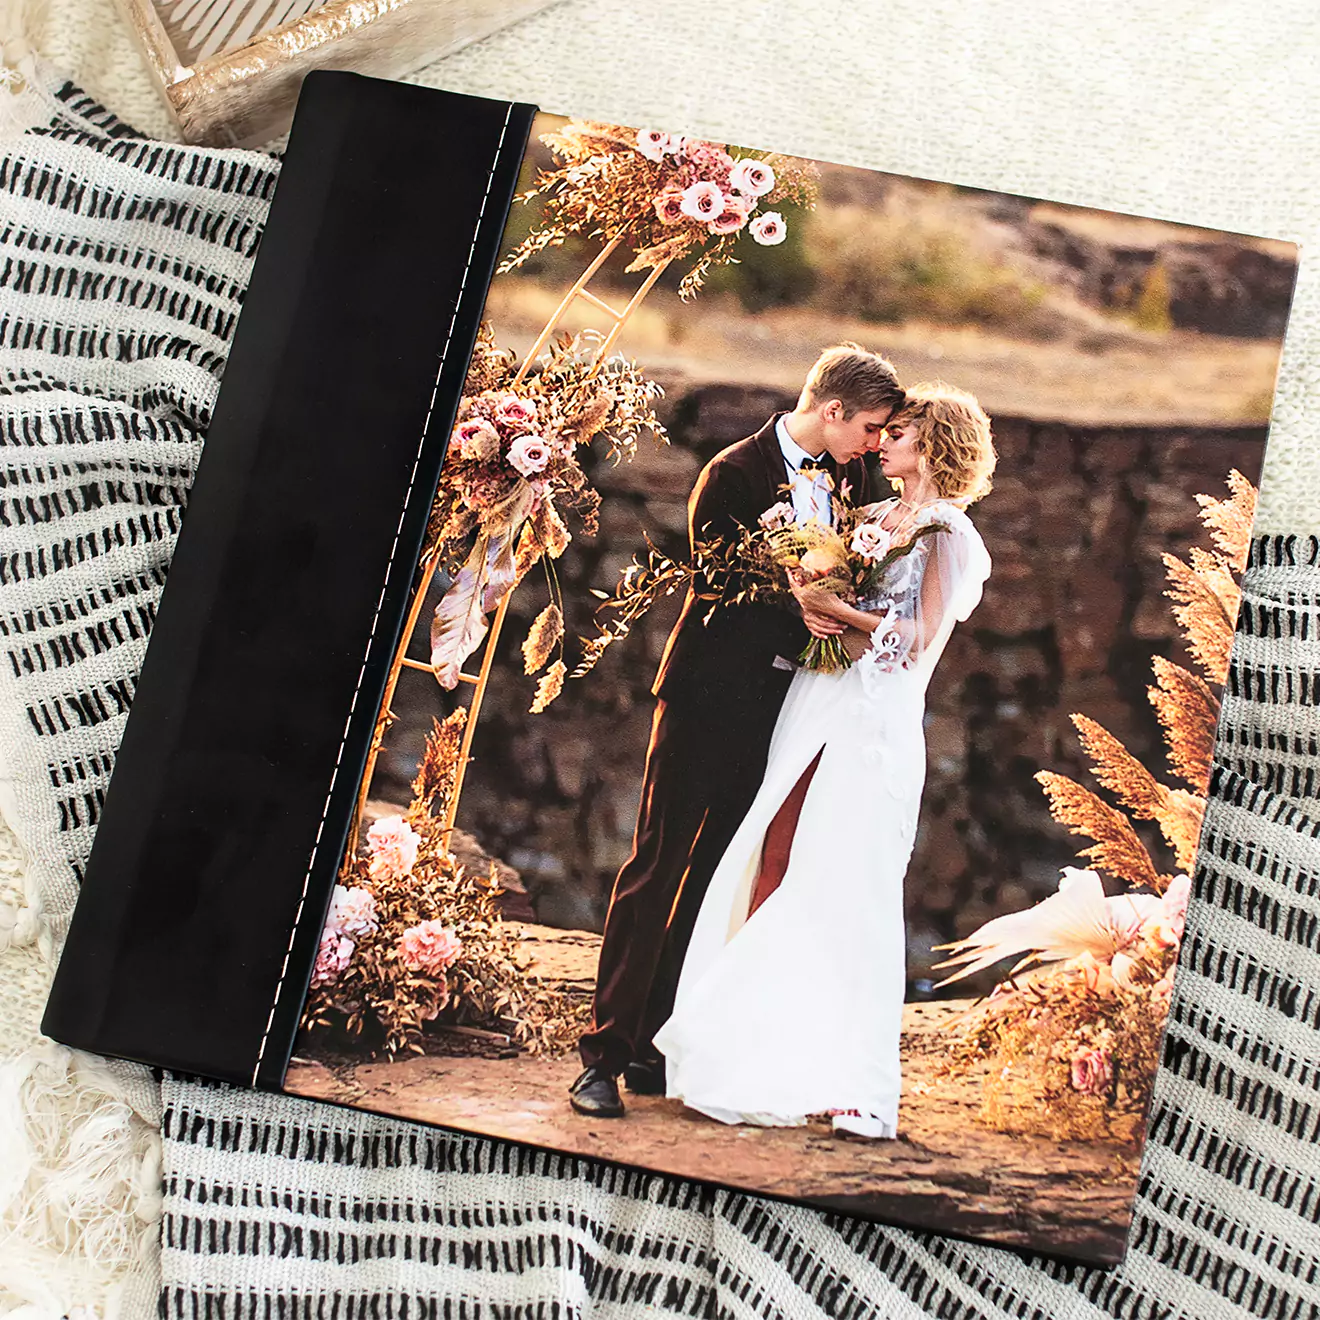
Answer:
(1072, 616)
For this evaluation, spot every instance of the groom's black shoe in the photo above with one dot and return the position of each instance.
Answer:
(645, 1077)
(596, 1094)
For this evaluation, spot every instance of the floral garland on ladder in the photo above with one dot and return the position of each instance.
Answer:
(512, 466)
(665, 195)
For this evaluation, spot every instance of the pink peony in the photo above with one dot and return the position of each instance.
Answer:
(769, 229)
(529, 454)
(331, 957)
(393, 845)
(352, 911)
(669, 207)
(652, 143)
(869, 540)
(430, 947)
(733, 217)
(515, 411)
(752, 178)
(1092, 1072)
(477, 440)
(703, 201)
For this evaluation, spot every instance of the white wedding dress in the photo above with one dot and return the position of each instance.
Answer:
(797, 1010)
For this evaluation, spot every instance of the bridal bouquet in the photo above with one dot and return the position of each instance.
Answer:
(850, 559)
(812, 554)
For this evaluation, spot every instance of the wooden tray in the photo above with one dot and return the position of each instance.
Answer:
(230, 69)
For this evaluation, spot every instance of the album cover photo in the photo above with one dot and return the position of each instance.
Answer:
(792, 771)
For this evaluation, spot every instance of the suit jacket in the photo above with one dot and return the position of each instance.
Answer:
(735, 652)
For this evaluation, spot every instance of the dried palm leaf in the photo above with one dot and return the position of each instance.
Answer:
(1077, 919)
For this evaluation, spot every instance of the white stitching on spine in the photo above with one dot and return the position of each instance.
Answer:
(407, 499)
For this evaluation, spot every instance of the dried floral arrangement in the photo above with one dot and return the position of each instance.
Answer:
(1070, 1039)
(666, 196)
(511, 470)
(413, 940)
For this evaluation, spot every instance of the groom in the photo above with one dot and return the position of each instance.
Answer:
(720, 686)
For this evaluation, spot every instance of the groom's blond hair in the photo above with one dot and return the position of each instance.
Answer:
(861, 380)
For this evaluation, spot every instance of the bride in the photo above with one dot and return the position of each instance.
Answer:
(790, 1000)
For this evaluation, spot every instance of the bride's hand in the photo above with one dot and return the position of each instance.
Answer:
(821, 625)
(819, 606)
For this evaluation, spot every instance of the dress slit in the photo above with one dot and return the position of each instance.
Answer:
(777, 847)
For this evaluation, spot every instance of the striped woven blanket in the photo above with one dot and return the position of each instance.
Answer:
(122, 269)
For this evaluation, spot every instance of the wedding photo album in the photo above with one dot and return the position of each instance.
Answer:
(791, 768)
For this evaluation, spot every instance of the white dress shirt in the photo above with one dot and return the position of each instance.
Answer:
(810, 490)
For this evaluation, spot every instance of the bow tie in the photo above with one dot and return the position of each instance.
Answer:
(813, 465)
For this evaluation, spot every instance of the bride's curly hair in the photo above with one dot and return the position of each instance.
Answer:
(952, 438)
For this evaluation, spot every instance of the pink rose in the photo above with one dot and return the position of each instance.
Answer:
(352, 911)
(477, 440)
(515, 411)
(777, 516)
(393, 845)
(1092, 1072)
(752, 178)
(333, 955)
(703, 201)
(430, 947)
(732, 218)
(868, 540)
(651, 143)
(669, 207)
(768, 229)
(529, 454)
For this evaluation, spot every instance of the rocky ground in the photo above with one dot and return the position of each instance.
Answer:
(947, 1171)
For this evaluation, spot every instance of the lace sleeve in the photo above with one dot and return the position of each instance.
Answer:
(934, 587)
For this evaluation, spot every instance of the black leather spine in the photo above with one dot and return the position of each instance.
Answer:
(195, 933)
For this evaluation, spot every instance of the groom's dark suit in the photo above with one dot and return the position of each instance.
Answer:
(719, 695)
